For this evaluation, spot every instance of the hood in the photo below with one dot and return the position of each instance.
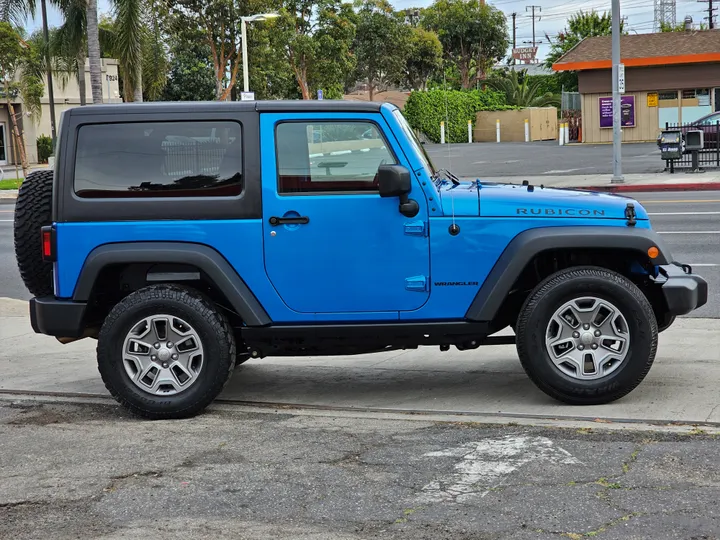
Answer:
(513, 200)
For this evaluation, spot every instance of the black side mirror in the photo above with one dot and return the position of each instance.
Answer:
(394, 181)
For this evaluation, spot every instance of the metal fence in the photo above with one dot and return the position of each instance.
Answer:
(709, 157)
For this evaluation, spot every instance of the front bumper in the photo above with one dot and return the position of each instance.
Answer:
(683, 291)
(59, 318)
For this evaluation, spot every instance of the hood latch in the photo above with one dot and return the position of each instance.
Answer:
(630, 215)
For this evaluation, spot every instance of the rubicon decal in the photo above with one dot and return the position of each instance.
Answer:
(455, 283)
(559, 212)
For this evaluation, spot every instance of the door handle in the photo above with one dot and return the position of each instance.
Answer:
(300, 220)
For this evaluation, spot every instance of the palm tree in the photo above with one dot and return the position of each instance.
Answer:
(130, 35)
(525, 93)
(69, 45)
(93, 42)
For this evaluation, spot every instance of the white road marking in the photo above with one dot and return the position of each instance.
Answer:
(6, 220)
(683, 213)
(483, 465)
(705, 264)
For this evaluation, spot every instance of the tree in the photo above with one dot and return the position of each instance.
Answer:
(134, 37)
(424, 59)
(93, 44)
(381, 44)
(666, 27)
(218, 22)
(579, 26)
(191, 76)
(473, 35)
(18, 60)
(522, 91)
(316, 37)
(70, 41)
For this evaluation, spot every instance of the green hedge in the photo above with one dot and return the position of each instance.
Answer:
(425, 110)
(44, 148)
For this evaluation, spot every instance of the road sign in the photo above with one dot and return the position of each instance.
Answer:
(320, 94)
(524, 53)
(621, 78)
(247, 96)
(652, 99)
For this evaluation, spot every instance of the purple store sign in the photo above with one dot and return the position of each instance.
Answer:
(627, 111)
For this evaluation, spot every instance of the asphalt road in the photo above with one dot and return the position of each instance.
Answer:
(689, 223)
(538, 158)
(72, 471)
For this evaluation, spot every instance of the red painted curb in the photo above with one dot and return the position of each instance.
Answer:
(695, 186)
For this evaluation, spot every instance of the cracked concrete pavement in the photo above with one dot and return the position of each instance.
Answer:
(91, 471)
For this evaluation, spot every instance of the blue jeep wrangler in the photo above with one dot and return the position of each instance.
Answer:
(188, 238)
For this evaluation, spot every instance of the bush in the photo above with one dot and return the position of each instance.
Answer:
(425, 110)
(44, 148)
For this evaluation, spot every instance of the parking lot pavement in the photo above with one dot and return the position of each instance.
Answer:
(88, 471)
(682, 385)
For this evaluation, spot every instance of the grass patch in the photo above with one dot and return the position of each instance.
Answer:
(10, 183)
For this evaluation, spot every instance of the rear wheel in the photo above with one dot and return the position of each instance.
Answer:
(587, 336)
(165, 352)
(33, 210)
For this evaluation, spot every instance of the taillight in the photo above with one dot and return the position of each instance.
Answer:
(48, 243)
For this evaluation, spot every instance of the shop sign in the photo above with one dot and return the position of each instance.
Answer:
(627, 111)
(652, 99)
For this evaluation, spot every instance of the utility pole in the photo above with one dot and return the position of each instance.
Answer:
(711, 15)
(532, 9)
(514, 29)
(617, 177)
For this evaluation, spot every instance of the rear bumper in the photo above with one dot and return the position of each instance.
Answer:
(683, 291)
(59, 318)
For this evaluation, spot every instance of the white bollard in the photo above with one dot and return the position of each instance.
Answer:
(469, 131)
(561, 135)
(497, 129)
(567, 133)
(442, 132)
(527, 130)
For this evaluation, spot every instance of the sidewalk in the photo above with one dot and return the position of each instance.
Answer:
(485, 383)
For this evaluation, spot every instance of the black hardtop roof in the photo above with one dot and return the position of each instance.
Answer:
(228, 106)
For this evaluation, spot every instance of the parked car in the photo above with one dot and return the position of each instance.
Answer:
(184, 264)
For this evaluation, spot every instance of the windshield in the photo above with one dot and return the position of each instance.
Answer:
(419, 148)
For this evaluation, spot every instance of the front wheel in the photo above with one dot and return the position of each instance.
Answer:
(165, 351)
(587, 336)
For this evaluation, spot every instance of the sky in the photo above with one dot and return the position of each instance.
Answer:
(552, 15)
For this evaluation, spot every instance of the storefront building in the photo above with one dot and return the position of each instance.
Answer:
(671, 78)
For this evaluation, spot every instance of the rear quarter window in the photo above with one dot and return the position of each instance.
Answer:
(159, 159)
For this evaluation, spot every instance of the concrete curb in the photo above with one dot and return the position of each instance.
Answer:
(619, 188)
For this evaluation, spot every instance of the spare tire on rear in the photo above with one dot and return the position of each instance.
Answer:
(33, 211)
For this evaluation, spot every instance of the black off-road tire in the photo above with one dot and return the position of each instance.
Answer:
(33, 210)
(562, 287)
(214, 331)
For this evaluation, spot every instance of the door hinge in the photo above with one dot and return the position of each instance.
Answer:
(415, 228)
(416, 283)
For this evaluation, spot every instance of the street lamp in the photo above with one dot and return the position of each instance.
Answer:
(243, 29)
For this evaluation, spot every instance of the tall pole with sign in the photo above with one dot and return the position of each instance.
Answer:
(617, 71)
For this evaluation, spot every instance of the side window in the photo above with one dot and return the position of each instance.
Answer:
(330, 156)
(711, 120)
(159, 159)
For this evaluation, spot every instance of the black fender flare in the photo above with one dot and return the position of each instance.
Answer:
(526, 245)
(203, 257)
